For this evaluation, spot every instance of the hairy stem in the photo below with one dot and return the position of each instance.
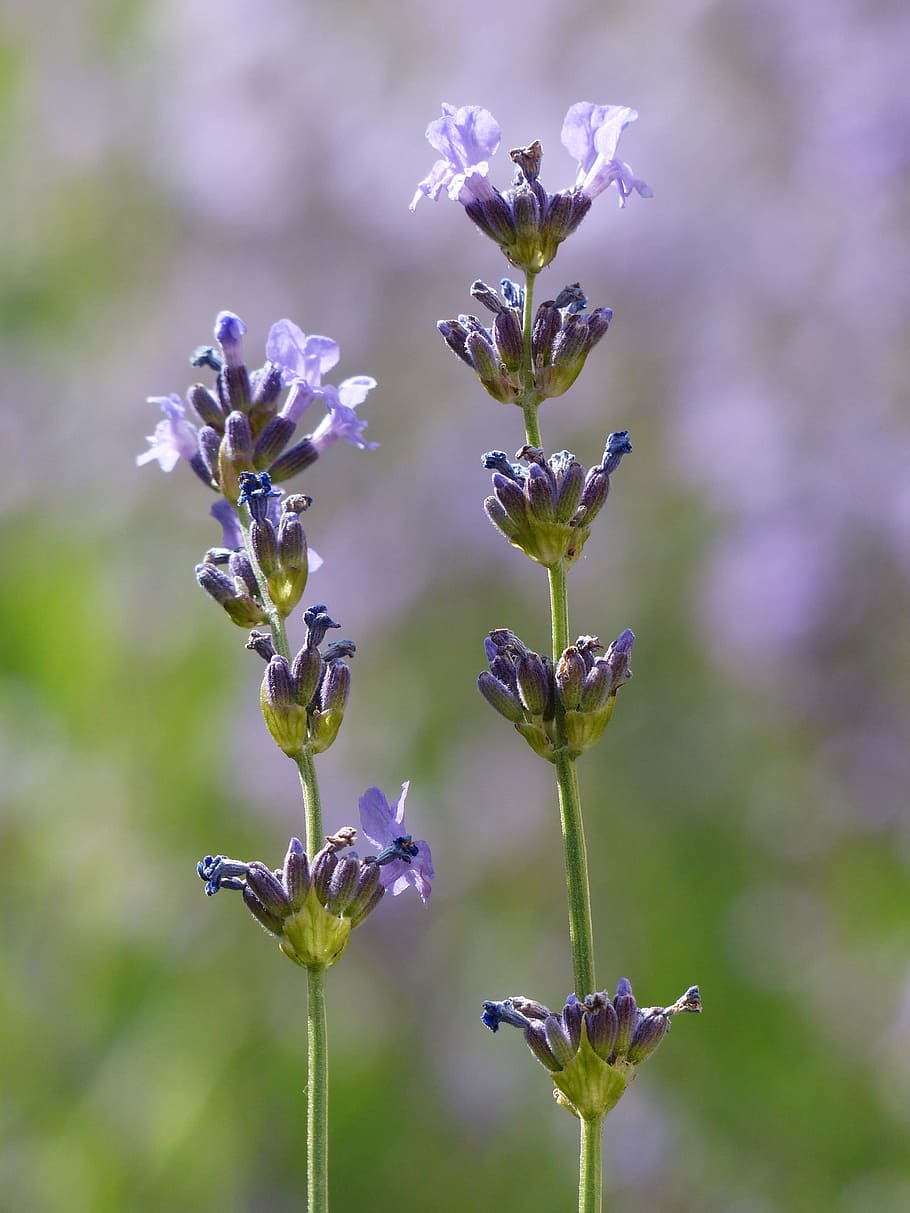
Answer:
(312, 805)
(590, 1184)
(317, 1096)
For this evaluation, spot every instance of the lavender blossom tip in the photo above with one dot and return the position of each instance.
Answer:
(496, 1013)
(229, 330)
(206, 355)
(219, 872)
(618, 445)
(255, 487)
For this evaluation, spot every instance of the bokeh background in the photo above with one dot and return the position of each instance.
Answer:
(747, 810)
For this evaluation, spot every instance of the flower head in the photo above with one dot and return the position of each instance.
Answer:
(591, 134)
(465, 137)
(592, 1046)
(174, 438)
(402, 861)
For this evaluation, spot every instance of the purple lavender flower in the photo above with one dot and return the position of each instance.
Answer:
(591, 134)
(174, 438)
(402, 860)
(302, 360)
(341, 421)
(465, 138)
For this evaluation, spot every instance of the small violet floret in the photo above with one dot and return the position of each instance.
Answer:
(302, 361)
(465, 137)
(384, 827)
(591, 134)
(174, 438)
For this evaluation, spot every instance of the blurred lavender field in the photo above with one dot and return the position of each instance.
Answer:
(748, 808)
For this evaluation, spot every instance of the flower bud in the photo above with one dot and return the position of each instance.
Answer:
(208, 408)
(285, 718)
(235, 454)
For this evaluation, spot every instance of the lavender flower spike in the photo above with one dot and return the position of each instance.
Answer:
(465, 138)
(591, 134)
(174, 438)
(402, 860)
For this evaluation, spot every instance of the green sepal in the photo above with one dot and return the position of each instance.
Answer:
(245, 611)
(585, 729)
(286, 589)
(538, 739)
(313, 937)
(286, 722)
(324, 728)
(588, 1087)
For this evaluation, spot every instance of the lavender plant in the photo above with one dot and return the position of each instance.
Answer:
(545, 505)
(246, 444)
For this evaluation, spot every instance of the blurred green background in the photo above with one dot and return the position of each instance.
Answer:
(747, 810)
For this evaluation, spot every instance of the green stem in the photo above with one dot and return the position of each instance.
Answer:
(312, 805)
(590, 1183)
(317, 1098)
(581, 929)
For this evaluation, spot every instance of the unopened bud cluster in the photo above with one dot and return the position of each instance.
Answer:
(575, 701)
(592, 1047)
(311, 907)
(562, 336)
(545, 506)
(278, 542)
(303, 701)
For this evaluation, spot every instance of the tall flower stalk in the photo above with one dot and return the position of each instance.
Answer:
(545, 505)
(245, 444)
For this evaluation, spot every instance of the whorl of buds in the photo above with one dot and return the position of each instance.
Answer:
(568, 707)
(593, 1046)
(545, 506)
(311, 907)
(562, 336)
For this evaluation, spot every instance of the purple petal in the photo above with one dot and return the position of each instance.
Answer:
(399, 808)
(591, 135)
(339, 422)
(222, 511)
(465, 138)
(174, 438)
(377, 819)
(300, 356)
